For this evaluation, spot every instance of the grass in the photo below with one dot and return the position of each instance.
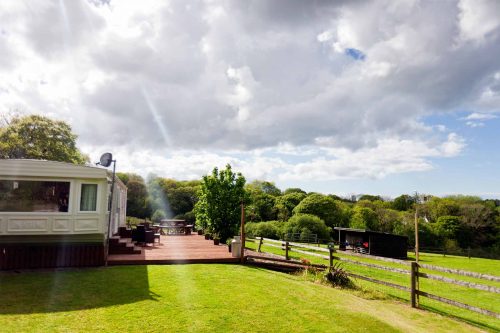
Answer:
(483, 299)
(197, 298)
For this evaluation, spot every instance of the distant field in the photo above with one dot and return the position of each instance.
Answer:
(479, 298)
(198, 298)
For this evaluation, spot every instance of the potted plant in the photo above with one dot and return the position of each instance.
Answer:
(207, 236)
(200, 232)
(228, 242)
(216, 239)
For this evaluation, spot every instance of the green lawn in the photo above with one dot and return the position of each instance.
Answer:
(198, 298)
(483, 299)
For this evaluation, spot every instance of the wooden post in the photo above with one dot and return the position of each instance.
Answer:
(286, 251)
(416, 233)
(468, 252)
(242, 254)
(260, 244)
(414, 284)
(330, 248)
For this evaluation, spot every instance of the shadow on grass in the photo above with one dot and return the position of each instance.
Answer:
(46, 291)
(459, 318)
(380, 295)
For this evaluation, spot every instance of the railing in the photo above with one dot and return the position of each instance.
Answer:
(413, 271)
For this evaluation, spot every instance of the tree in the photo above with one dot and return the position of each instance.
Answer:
(370, 197)
(262, 196)
(285, 204)
(138, 203)
(218, 208)
(364, 218)
(307, 224)
(265, 187)
(403, 202)
(38, 137)
(323, 207)
(294, 190)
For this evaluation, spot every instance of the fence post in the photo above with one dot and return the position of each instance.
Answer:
(286, 251)
(414, 284)
(330, 248)
(260, 244)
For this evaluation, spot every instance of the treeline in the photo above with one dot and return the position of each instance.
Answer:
(452, 223)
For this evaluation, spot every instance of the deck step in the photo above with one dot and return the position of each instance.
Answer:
(119, 245)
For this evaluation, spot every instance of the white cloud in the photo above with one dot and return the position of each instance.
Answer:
(480, 116)
(478, 18)
(201, 78)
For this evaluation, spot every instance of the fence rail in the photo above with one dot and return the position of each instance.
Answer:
(413, 271)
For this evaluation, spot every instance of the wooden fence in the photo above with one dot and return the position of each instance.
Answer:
(413, 271)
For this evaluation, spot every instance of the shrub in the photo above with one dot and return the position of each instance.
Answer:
(307, 224)
(336, 276)
(269, 229)
(158, 216)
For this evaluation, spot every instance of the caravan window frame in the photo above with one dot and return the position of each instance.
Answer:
(34, 179)
(79, 197)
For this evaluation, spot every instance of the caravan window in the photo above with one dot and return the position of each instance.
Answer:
(88, 198)
(34, 196)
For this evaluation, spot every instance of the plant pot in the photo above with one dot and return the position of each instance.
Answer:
(200, 232)
(210, 237)
(216, 241)
(207, 236)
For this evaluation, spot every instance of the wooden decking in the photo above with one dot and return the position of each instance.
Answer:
(176, 250)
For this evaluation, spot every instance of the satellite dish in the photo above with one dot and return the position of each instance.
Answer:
(106, 159)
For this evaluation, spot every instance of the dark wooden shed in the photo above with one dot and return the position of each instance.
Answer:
(371, 242)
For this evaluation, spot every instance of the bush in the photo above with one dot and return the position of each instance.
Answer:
(306, 224)
(336, 276)
(188, 217)
(158, 216)
(270, 229)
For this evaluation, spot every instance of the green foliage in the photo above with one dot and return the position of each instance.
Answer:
(263, 186)
(307, 224)
(38, 137)
(364, 218)
(219, 202)
(370, 197)
(158, 215)
(262, 205)
(337, 276)
(294, 190)
(403, 202)
(138, 202)
(269, 229)
(285, 204)
(173, 196)
(189, 217)
(447, 226)
(323, 207)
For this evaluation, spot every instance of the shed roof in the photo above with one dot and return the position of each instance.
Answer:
(367, 231)
(44, 168)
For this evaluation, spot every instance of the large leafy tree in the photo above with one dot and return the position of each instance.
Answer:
(323, 207)
(138, 203)
(38, 137)
(286, 203)
(263, 196)
(218, 208)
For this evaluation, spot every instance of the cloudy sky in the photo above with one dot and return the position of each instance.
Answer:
(382, 97)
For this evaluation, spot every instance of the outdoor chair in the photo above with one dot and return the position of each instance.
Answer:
(138, 234)
(149, 237)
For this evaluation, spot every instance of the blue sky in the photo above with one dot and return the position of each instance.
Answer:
(377, 97)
